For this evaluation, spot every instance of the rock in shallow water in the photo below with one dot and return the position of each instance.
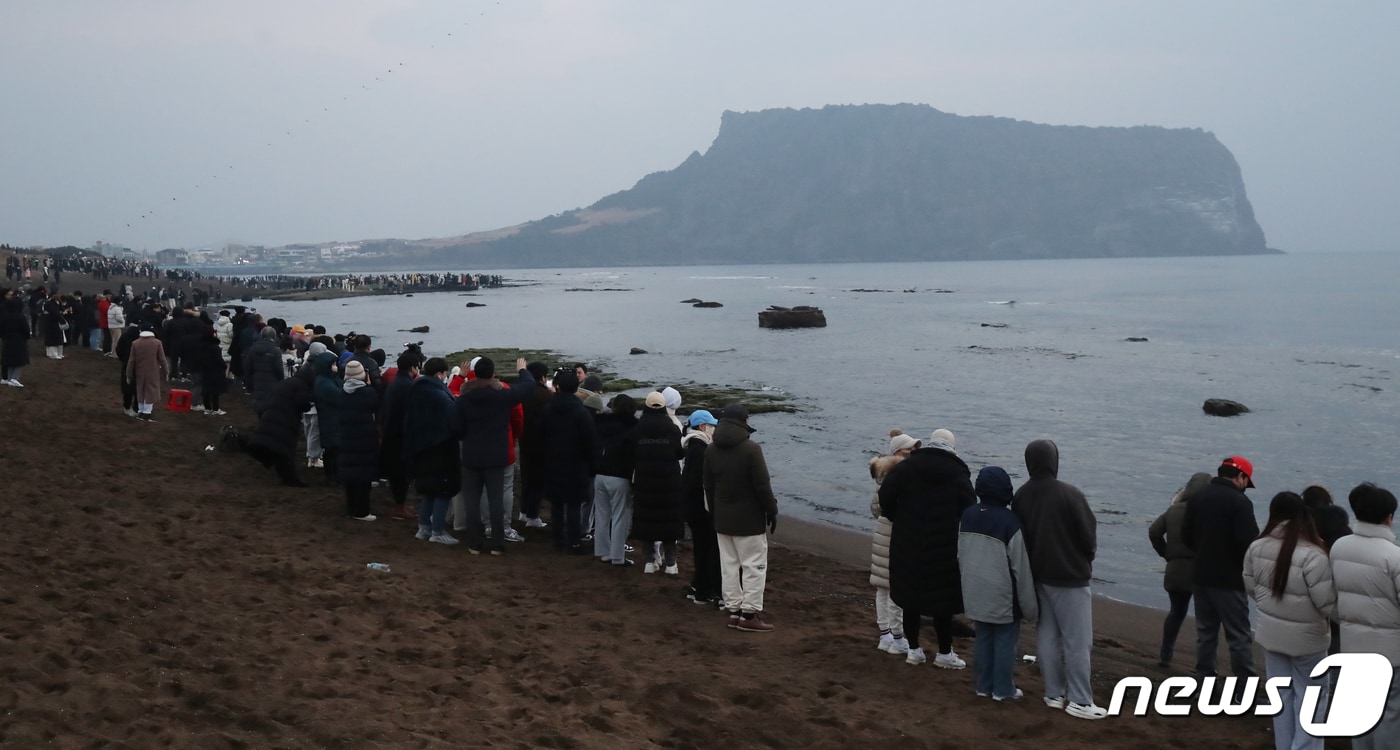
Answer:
(1223, 407)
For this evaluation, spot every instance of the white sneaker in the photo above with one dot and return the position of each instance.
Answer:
(1090, 711)
(886, 640)
(512, 535)
(197, 407)
(949, 660)
(899, 647)
(916, 656)
(1018, 695)
(129, 412)
(535, 523)
(1056, 703)
(672, 570)
(444, 538)
(16, 384)
(370, 517)
(423, 533)
(220, 412)
(6, 381)
(521, 517)
(650, 568)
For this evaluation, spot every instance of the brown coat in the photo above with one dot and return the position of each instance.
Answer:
(147, 368)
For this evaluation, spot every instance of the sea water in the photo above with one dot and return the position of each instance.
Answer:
(1000, 353)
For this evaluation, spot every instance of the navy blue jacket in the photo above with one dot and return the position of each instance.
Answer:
(570, 448)
(483, 411)
(359, 437)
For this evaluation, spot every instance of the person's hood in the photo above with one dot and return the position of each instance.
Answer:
(1198, 480)
(730, 433)
(1043, 457)
(321, 363)
(994, 486)
(351, 386)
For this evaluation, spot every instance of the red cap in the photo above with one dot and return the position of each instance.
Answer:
(1243, 464)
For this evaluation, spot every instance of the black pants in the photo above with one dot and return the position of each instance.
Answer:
(1171, 626)
(1228, 610)
(330, 463)
(706, 579)
(128, 391)
(942, 625)
(530, 497)
(357, 499)
(211, 399)
(107, 339)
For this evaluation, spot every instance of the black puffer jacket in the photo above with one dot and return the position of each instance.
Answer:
(280, 425)
(570, 449)
(359, 437)
(262, 366)
(925, 496)
(431, 455)
(693, 509)
(656, 484)
(617, 449)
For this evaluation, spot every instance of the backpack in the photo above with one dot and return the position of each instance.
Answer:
(229, 439)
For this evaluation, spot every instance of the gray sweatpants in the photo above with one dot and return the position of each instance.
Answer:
(1064, 636)
(1223, 609)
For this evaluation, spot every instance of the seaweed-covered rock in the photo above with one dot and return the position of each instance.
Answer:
(802, 316)
(1223, 407)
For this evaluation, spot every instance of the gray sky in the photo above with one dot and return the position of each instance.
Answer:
(271, 122)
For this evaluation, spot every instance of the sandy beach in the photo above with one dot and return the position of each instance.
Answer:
(158, 594)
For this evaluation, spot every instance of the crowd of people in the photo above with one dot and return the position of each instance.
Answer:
(946, 544)
(392, 283)
(612, 468)
(1320, 584)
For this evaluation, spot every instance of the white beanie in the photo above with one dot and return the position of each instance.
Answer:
(901, 441)
(672, 396)
(941, 439)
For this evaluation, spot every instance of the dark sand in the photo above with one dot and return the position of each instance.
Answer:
(158, 595)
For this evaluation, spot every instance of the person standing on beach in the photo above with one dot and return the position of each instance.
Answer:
(1366, 572)
(1219, 527)
(1062, 538)
(147, 368)
(1287, 572)
(706, 586)
(263, 369)
(483, 411)
(1165, 536)
(358, 466)
(391, 447)
(740, 495)
(532, 471)
(569, 446)
(432, 456)
(998, 591)
(14, 339)
(888, 615)
(924, 498)
(656, 485)
(612, 487)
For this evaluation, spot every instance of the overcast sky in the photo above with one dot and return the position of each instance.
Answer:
(272, 122)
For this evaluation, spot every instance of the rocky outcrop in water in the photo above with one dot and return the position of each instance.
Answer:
(802, 316)
(903, 182)
(1223, 407)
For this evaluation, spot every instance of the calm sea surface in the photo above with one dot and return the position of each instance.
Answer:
(1308, 342)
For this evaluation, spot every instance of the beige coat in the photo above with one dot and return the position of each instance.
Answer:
(147, 369)
(1296, 623)
(1366, 569)
(880, 467)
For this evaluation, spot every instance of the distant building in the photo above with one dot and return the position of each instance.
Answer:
(172, 257)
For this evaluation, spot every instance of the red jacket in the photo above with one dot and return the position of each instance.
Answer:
(102, 306)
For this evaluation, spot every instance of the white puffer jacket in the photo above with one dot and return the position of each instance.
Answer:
(1296, 623)
(1366, 569)
(223, 328)
(880, 467)
(116, 317)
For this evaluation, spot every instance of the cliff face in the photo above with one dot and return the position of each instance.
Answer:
(906, 182)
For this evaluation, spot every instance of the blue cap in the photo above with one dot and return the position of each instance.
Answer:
(700, 416)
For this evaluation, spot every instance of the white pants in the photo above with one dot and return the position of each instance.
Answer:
(1288, 726)
(1064, 637)
(311, 425)
(743, 569)
(888, 615)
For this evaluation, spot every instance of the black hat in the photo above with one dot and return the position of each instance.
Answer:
(738, 413)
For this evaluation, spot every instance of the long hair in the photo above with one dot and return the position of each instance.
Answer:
(1287, 510)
